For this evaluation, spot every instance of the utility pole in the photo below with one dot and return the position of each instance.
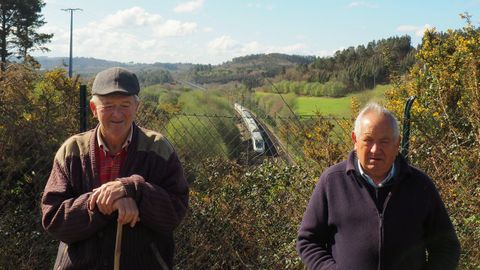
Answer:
(71, 35)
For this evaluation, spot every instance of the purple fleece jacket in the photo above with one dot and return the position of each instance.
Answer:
(345, 228)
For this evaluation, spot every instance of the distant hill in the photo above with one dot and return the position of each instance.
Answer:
(237, 69)
(251, 68)
(90, 66)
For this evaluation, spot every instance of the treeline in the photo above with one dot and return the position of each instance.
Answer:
(349, 70)
(364, 66)
(248, 69)
(330, 88)
(151, 77)
(272, 58)
(204, 74)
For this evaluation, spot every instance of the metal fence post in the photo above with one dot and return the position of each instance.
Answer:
(406, 127)
(83, 108)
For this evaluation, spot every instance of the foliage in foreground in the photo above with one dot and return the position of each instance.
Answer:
(38, 113)
(241, 218)
(445, 137)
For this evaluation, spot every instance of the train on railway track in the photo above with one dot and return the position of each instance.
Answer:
(255, 134)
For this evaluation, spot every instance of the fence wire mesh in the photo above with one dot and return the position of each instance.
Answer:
(239, 218)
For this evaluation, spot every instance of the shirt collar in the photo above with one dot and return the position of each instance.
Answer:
(384, 182)
(103, 145)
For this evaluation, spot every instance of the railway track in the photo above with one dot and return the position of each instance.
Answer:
(271, 145)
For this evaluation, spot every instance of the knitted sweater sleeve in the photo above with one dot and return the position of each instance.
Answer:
(313, 244)
(163, 201)
(65, 214)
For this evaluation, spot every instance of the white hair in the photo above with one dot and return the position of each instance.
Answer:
(378, 110)
(96, 100)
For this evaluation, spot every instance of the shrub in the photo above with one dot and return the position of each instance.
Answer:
(244, 218)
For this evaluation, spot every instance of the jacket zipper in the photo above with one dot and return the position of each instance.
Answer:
(381, 238)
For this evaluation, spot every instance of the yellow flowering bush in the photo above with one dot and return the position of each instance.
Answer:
(445, 140)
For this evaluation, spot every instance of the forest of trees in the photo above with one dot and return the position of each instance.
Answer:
(350, 70)
(249, 70)
(362, 67)
(151, 77)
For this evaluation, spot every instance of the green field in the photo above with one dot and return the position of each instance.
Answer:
(339, 107)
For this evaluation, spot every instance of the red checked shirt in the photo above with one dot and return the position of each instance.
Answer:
(109, 165)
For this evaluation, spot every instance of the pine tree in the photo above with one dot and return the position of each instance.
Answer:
(19, 24)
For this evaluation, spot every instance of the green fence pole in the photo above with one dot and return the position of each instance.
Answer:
(406, 126)
(83, 108)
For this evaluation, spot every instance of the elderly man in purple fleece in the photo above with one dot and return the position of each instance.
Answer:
(374, 210)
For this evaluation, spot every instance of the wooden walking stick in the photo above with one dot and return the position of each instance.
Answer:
(118, 246)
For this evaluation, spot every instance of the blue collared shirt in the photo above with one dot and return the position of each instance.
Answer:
(370, 180)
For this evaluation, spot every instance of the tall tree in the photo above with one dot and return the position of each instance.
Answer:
(19, 25)
(6, 23)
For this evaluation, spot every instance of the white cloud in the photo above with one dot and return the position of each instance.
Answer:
(325, 53)
(229, 47)
(268, 7)
(251, 48)
(127, 35)
(173, 28)
(297, 48)
(189, 6)
(417, 30)
(138, 35)
(135, 16)
(359, 4)
(222, 44)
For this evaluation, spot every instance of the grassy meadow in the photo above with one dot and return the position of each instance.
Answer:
(339, 107)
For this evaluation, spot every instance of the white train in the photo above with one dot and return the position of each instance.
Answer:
(257, 139)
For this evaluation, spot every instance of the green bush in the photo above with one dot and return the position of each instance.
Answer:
(39, 111)
(244, 217)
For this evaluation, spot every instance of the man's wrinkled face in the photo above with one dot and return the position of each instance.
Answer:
(116, 114)
(376, 145)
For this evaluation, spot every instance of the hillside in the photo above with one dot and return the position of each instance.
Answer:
(350, 70)
(89, 66)
(248, 69)
(236, 69)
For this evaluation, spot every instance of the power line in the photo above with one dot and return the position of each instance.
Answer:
(71, 37)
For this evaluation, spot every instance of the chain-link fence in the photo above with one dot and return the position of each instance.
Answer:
(197, 136)
(449, 152)
(249, 215)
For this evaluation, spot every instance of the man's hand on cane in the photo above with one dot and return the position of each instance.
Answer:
(110, 197)
(127, 211)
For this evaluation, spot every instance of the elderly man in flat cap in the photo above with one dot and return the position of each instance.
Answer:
(115, 173)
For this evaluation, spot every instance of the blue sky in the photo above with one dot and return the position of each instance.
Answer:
(215, 31)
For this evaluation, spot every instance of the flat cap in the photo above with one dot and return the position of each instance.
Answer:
(115, 80)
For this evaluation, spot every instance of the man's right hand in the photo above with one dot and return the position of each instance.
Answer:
(127, 211)
(104, 196)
